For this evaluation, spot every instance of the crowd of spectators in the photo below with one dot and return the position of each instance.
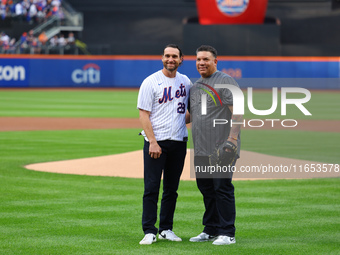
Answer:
(32, 11)
(7, 44)
(41, 44)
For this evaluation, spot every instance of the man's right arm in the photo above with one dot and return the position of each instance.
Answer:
(155, 150)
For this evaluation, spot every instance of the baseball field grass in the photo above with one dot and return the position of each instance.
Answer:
(122, 104)
(46, 213)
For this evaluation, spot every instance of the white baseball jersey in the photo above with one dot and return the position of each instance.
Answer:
(167, 100)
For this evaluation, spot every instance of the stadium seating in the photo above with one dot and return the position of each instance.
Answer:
(134, 27)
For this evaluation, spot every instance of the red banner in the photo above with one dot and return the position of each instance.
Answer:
(212, 12)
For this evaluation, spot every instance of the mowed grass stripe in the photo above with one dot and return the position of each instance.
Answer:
(96, 103)
(313, 146)
(117, 104)
(290, 144)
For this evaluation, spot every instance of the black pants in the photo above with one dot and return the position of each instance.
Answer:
(219, 202)
(171, 163)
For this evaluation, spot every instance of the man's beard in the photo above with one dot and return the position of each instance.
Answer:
(171, 69)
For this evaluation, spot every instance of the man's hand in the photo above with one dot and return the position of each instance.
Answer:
(155, 150)
(223, 155)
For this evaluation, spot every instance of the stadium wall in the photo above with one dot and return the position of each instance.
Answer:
(38, 71)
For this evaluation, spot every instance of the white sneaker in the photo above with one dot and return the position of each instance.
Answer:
(148, 239)
(203, 237)
(169, 235)
(224, 240)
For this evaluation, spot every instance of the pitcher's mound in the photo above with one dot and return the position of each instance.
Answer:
(251, 165)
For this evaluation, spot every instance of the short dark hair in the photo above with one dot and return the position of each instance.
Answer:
(171, 45)
(209, 48)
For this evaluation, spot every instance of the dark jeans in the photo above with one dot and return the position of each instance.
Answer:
(171, 163)
(219, 202)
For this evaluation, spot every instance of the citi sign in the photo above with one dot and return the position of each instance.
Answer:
(89, 74)
(12, 73)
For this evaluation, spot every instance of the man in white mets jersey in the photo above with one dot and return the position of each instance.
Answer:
(162, 103)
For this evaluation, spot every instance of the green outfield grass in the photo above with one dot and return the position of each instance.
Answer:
(46, 213)
(122, 104)
(69, 103)
(294, 144)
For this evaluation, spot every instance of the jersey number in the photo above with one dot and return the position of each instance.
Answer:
(181, 108)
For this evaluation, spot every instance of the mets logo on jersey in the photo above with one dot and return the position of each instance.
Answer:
(232, 7)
